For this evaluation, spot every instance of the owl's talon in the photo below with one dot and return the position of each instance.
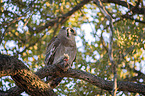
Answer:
(65, 59)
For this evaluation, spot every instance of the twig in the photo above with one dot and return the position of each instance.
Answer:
(125, 4)
(136, 6)
(101, 39)
(110, 53)
(13, 21)
(56, 28)
(2, 35)
(62, 18)
(29, 46)
(113, 23)
(19, 17)
(136, 20)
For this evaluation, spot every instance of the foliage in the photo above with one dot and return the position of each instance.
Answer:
(21, 21)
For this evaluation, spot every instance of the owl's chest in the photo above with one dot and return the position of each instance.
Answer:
(68, 50)
(64, 50)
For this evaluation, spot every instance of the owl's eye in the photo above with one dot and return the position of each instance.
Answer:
(68, 32)
(72, 30)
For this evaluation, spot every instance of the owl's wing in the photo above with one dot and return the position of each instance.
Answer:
(51, 50)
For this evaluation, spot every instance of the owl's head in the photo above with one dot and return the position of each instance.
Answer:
(67, 36)
(67, 32)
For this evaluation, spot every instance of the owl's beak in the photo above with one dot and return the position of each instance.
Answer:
(69, 30)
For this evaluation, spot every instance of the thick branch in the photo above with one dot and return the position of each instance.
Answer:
(9, 65)
(105, 84)
(95, 80)
(23, 77)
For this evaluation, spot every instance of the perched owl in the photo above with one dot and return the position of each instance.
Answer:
(63, 43)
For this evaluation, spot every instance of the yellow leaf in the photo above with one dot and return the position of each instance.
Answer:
(41, 56)
(24, 54)
(33, 58)
(38, 56)
(27, 33)
(25, 20)
(27, 52)
(27, 45)
(35, 47)
(47, 4)
(102, 18)
(43, 42)
(31, 48)
(16, 33)
(13, 30)
(109, 64)
(16, 25)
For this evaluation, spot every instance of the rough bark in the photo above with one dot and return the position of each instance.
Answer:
(10, 65)
(23, 77)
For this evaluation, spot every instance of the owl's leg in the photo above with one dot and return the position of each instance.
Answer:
(64, 65)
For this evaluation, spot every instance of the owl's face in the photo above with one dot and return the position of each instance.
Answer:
(69, 32)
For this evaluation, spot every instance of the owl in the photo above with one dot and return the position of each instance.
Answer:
(63, 43)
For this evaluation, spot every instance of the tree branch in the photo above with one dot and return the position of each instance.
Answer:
(74, 73)
(23, 77)
(63, 18)
(110, 53)
(125, 4)
(104, 84)
(129, 17)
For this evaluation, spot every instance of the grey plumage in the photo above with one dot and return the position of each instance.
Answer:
(63, 43)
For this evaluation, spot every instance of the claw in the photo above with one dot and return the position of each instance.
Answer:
(65, 59)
